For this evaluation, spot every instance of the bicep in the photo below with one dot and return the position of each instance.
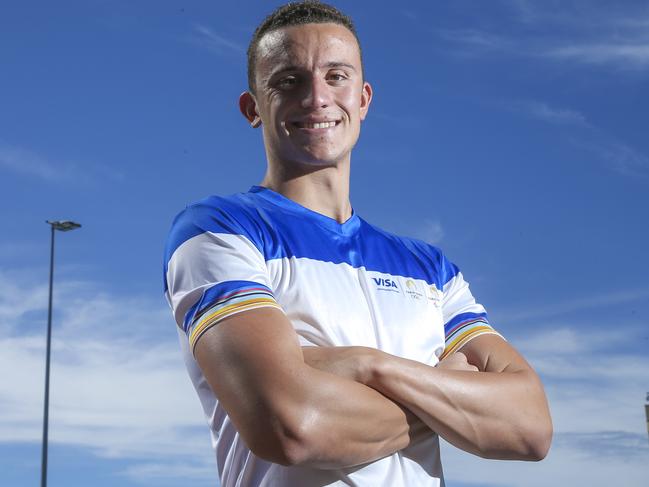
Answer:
(250, 348)
(252, 361)
(491, 353)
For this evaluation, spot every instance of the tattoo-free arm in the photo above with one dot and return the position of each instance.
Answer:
(286, 411)
(494, 406)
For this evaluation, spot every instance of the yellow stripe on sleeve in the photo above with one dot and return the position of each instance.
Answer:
(465, 337)
(220, 314)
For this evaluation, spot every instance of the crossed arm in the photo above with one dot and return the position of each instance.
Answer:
(484, 399)
(343, 406)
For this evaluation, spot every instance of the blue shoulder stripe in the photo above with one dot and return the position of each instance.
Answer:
(280, 228)
(213, 214)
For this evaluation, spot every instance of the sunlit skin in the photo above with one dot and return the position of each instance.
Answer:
(307, 75)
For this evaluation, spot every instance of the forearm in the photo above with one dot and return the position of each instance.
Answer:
(492, 414)
(349, 423)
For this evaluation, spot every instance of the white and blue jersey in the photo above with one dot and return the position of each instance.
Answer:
(338, 284)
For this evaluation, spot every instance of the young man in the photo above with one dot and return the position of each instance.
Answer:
(326, 351)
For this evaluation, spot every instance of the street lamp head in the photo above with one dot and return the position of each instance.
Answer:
(64, 226)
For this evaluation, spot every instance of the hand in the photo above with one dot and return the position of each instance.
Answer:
(457, 361)
(357, 364)
(354, 363)
(419, 430)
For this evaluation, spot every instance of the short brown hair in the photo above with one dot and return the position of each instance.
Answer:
(296, 13)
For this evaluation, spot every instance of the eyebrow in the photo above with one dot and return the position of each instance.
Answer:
(331, 64)
(334, 64)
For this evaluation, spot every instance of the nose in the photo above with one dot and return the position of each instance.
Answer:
(317, 94)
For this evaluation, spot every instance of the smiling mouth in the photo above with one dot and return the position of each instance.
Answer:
(316, 125)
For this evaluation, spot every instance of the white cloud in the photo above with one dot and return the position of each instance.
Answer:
(550, 114)
(615, 154)
(23, 161)
(18, 250)
(620, 156)
(585, 303)
(158, 473)
(565, 32)
(633, 55)
(475, 39)
(27, 162)
(607, 444)
(563, 466)
(526, 10)
(208, 39)
(593, 386)
(410, 14)
(430, 231)
(118, 383)
(15, 302)
(427, 229)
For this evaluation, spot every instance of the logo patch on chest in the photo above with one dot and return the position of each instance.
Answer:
(384, 284)
(412, 289)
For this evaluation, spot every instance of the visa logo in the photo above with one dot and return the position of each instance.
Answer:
(385, 282)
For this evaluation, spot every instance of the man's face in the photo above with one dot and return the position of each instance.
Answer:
(310, 93)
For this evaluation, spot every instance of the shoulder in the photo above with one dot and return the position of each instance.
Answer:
(216, 213)
(235, 214)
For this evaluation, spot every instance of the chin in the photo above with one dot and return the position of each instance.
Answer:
(312, 157)
(321, 157)
(318, 160)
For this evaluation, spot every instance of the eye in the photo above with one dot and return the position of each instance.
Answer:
(336, 76)
(287, 82)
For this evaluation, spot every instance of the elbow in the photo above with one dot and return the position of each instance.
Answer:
(540, 435)
(530, 444)
(285, 450)
(284, 441)
(536, 437)
(281, 451)
(295, 450)
(539, 441)
(533, 442)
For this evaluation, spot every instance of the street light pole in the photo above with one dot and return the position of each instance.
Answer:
(63, 226)
(646, 412)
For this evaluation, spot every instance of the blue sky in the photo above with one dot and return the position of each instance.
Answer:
(512, 134)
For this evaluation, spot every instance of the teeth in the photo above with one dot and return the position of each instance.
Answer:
(318, 125)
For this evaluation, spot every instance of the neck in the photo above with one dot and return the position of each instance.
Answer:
(321, 189)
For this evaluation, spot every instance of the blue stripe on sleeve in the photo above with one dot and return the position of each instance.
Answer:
(212, 295)
(463, 317)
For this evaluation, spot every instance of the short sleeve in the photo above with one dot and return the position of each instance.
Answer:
(464, 318)
(214, 269)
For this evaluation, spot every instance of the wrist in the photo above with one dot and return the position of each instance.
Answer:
(373, 367)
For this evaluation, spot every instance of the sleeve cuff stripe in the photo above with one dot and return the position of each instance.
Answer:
(223, 312)
(455, 328)
(259, 290)
(218, 312)
(464, 328)
(458, 341)
(235, 297)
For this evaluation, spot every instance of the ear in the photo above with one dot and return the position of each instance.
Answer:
(366, 99)
(248, 107)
